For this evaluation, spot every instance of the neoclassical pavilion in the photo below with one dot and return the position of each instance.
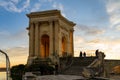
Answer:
(49, 32)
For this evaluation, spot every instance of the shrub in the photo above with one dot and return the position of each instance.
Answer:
(43, 68)
(17, 72)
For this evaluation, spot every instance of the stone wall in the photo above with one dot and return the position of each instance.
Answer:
(81, 62)
(109, 64)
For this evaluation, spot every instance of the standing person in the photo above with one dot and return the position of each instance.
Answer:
(84, 54)
(80, 54)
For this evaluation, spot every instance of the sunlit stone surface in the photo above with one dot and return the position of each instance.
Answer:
(49, 32)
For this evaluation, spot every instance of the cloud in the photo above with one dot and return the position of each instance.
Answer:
(4, 33)
(15, 1)
(118, 27)
(17, 55)
(59, 6)
(11, 40)
(36, 7)
(78, 40)
(47, 0)
(113, 10)
(15, 5)
(30, 6)
(90, 30)
(110, 47)
(94, 41)
(17, 51)
(18, 36)
(23, 34)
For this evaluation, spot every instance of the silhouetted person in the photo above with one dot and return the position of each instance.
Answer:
(84, 54)
(56, 68)
(80, 54)
(96, 53)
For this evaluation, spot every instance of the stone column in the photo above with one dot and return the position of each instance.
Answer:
(39, 39)
(56, 30)
(69, 43)
(51, 37)
(53, 28)
(36, 39)
(31, 40)
(72, 43)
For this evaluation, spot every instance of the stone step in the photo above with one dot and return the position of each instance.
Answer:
(81, 61)
(74, 70)
(41, 61)
(77, 65)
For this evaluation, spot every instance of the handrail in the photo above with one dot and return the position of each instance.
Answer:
(7, 65)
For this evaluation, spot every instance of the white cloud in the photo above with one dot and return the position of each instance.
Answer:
(47, 0)
(23, 34)
(27, 5)
(110, 47)
(9, 40)
(59, 6)
(36, 7)
(78, 40)
(17, 55)
(17, 51)
(113, 10)
(118, 27)
(13, 5)
(15, 1)
(90, 30)
(4, 33)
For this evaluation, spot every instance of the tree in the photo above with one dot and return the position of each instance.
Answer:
(43, 68)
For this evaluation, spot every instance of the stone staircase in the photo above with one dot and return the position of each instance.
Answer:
(41, 61)
(76, 66)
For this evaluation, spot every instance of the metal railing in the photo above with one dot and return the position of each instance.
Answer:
(7, 65)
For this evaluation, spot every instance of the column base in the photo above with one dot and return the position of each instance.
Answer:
(30, 60)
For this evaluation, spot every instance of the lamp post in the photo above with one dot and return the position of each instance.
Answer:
(7, 65)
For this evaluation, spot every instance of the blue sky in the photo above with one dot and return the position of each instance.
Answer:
(97, 25)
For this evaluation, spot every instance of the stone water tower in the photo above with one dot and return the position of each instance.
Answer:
(49, 32)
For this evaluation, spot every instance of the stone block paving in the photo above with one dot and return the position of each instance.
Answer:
(59, 77)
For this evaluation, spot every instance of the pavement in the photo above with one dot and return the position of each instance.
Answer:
(59, 77)
(69, 77)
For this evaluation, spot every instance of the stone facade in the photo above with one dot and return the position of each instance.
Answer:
(49, 32)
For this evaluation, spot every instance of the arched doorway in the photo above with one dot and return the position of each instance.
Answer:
(45, 46)
(63, 46)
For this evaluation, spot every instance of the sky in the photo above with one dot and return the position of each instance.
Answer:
(97, 26)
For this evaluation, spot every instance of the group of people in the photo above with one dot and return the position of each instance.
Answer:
(82, 54)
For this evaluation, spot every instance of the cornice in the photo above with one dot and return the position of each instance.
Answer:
(48, 13)
(43, 13)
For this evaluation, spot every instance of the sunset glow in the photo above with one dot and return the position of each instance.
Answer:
(97, 26)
